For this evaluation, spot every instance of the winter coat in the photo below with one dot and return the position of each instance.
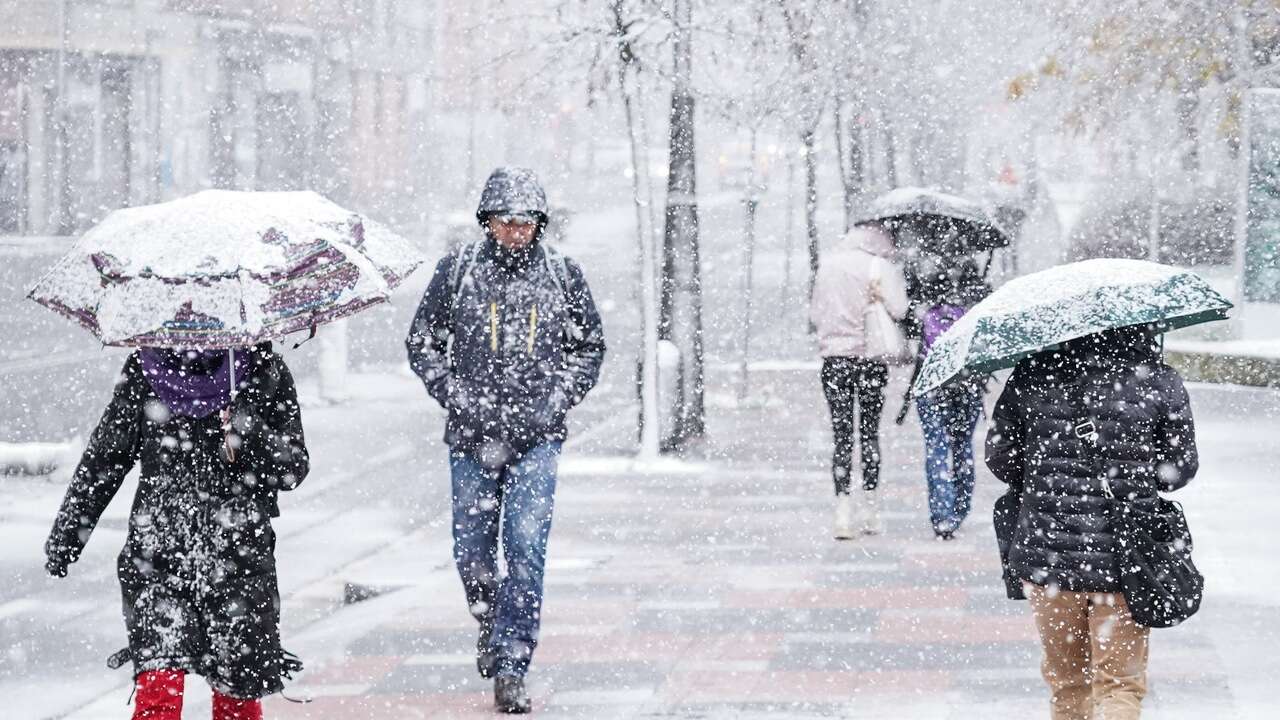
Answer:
(512, 351)
(1115, 385)
(197, 572)
(842, 291)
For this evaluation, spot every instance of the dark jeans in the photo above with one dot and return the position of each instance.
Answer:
(518, 499)
(948, 417)
(850, 384)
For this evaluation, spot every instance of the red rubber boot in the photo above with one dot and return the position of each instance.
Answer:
(229, 708)
(159, 695)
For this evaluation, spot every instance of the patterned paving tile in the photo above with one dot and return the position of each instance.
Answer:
(721, 596)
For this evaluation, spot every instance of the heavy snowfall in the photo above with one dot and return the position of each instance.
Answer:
(639, 359)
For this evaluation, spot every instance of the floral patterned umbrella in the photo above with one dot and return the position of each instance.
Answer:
(223, 269)
(1042, 309)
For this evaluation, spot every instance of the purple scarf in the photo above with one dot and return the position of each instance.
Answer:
(192, 383)
(937, 320)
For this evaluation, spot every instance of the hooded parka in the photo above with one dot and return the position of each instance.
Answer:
(197, 572)
(507, 341)
(1100, 410)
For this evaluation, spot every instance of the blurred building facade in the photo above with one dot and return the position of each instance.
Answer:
(110, 103)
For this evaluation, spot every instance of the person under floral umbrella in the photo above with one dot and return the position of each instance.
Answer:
(218, 435)
(199, 286)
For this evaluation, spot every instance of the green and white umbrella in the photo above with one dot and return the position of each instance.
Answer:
(1043, 309)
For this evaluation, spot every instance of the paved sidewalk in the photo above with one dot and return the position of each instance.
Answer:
(714, 590)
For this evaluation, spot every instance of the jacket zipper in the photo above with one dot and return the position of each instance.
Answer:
(493, 326)
(533, 327)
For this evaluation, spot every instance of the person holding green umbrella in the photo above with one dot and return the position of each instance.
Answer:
(1091, 418)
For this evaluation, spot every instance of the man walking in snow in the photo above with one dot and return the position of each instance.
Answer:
(507, 339)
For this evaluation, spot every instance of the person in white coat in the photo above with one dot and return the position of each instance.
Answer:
(856, 285)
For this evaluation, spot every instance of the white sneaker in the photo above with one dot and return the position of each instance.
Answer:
(869, 512)
(844, 517)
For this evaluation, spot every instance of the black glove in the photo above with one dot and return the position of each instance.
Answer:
(58, 556)
(56, 565)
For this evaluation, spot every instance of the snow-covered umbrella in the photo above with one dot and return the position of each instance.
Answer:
(224, 269)
(951, 224)
(1037, 311)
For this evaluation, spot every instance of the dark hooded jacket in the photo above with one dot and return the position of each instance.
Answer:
(197, 572)
(1111, 383)
(507, 342)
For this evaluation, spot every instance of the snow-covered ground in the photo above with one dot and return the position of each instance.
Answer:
(378, 520)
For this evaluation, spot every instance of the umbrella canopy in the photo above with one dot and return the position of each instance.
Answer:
(947, 224)
(1043, 309)
(223, 269)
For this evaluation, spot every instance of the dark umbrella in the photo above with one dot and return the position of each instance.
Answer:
(936, 222)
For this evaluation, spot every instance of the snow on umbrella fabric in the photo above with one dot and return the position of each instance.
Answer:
(975, 227)
(1043, 309)
(224, 269)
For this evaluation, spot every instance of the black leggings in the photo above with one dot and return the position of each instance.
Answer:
(849, 382)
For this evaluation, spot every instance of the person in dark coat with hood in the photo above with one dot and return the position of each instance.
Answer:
(949, 414)
(1098, 413)
(198, 570)
(507, 339)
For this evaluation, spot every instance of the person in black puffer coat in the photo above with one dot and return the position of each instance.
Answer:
(1041, 443)
(197, 572)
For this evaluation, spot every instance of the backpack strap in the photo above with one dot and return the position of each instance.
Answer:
(461, 268)
(559, 269)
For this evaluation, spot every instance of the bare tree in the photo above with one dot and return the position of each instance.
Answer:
(804, 29)
(681, 276)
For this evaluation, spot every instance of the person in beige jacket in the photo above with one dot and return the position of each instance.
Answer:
(852, 278)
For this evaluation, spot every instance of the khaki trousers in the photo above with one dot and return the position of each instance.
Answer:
(1095, 655)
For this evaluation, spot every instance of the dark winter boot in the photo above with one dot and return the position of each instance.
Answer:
(510, 697)
(229, 708)
(486, 658)
(159, 695)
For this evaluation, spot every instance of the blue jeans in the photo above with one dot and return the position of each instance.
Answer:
(518, 499)
(948, 419)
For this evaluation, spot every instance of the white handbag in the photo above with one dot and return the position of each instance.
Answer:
(884, 337)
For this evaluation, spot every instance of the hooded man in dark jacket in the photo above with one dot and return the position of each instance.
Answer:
(507, 339)
(1100, 414)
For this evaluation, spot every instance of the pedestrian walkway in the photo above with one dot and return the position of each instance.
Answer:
(712, 588)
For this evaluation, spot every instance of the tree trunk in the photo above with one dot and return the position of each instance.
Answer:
(750, 203)
(809, 140)
(649, 440)
(789, 233)
(852, 165)
(1188, 111)
(844, 172)
(682, 282)
(890, 158)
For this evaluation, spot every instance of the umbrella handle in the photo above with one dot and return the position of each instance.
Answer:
(308, 337)
(226, 434)
(226, 412)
